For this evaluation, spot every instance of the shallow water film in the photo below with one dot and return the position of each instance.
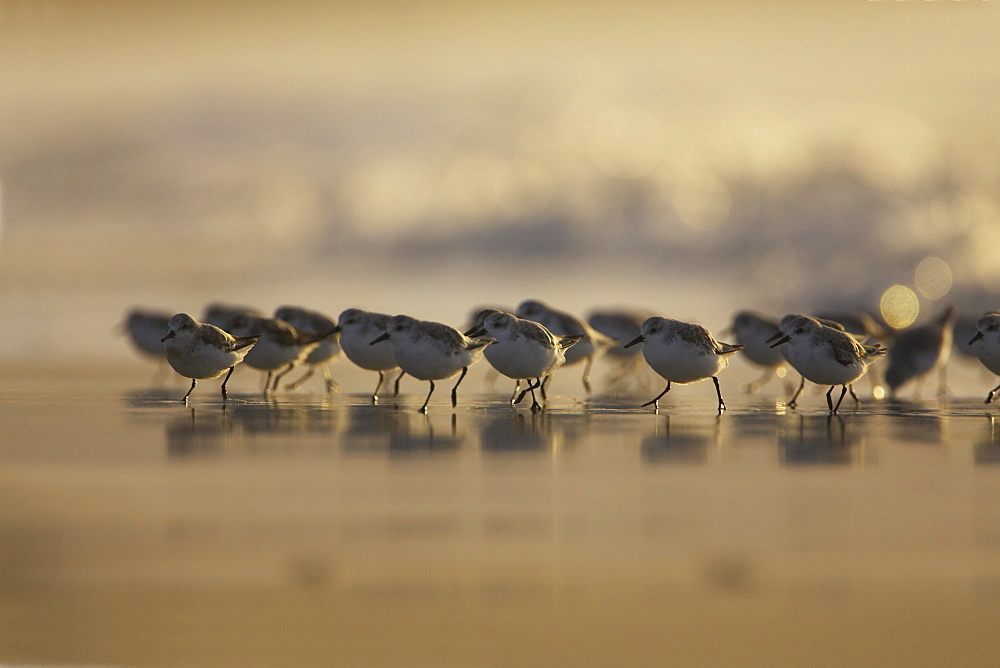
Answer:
(312, 528)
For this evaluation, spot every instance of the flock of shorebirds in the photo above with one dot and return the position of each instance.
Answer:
(530, 343)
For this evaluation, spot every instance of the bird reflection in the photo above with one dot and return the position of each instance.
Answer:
(221, 430)
(418, 433)
(372, 429)
(199, 433)
(915, 422)
(518, 432)
(145, 398)
(684, 442)
(818, 440)
(278, 418)
(987, 451)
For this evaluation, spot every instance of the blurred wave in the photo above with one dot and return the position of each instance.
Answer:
(799, 184)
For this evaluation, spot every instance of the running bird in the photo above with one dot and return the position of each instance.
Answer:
(986, 344)
(917, 351)
(313, 324)
(201, 351)
(479, 316)
(431, 351)
(523, 350)
(784, 328)
(827, 356)
(682, 352)
(592, 343)
(280, 346)
(357, 328)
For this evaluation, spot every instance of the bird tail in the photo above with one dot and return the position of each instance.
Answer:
(475, 344)
(244, 342)
(874, 352)
(316, 338)
(567, 341)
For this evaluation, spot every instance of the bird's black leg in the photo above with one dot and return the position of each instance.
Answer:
(517, 386)
(545, 383)
(423, 409)
(718, 391)
(395, 390)
(829, 401)
(991, 395)
(535, 406)
(231, 369)
(843, 391)
(793, 402)
(656, 401)
(381, 377)
(190, 390)
(531, 388)
(454, 390)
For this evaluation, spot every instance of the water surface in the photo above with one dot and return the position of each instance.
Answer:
(316, 529)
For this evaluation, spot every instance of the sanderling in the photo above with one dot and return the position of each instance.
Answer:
(858, 323)
(146, 329)
(202, 351)
(622, 325)
(222, 315)
(964, 329)
(479, 315)
(431, 351)
(754, 332)
(917, 351)
(279, 348)
(784, 327)
(478, 320)
(986, 343)
(312, 324)
(523, 350)
(592, 343)
(682, 353)
(826, 356)
(357, 329)
(864, 328)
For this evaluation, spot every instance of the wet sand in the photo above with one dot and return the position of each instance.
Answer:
(318, 530)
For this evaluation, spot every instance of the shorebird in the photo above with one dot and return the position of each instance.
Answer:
(682, 352)
(200, 351)
(431, 351)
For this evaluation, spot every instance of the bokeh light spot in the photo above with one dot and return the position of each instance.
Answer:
(933, 277)
(899, 306)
